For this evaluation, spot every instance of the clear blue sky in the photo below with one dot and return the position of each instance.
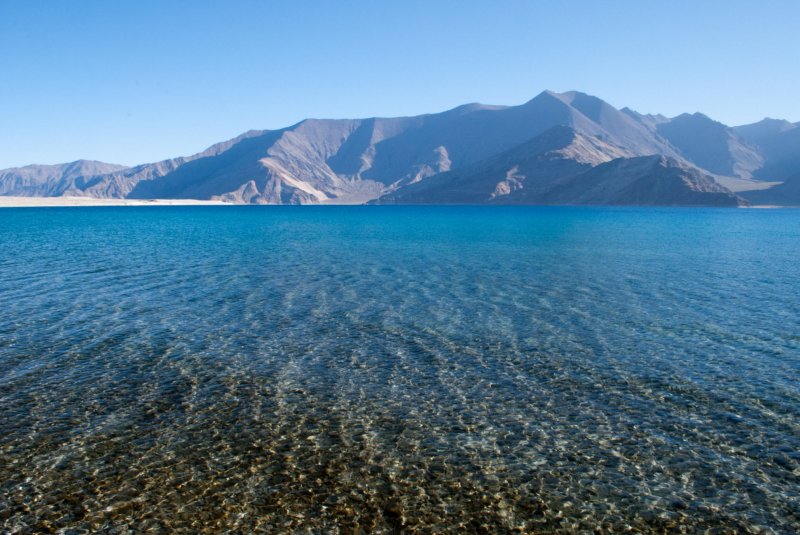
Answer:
(139, 81)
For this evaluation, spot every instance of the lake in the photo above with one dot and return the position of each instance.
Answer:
(389, 369)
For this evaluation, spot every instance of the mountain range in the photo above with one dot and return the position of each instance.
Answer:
(558, 148)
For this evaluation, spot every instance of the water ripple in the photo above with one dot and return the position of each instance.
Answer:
(390, 369)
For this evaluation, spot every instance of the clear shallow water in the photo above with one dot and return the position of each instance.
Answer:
(380, 369)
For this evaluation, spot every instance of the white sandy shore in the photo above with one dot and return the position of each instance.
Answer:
(37, 202)
(31, 202)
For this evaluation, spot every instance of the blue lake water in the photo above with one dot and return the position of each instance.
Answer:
(390, 369)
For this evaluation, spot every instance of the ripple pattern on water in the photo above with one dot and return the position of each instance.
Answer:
(397, 369)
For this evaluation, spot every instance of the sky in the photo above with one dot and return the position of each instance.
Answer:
(141, 81)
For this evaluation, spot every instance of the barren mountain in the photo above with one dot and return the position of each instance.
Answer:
(472, 153)
(353, 161)
(53, 180)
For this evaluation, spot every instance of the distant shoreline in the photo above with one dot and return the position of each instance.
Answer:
(61, 202)
(53, 202)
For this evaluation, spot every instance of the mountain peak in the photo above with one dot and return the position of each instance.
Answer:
(701, 120)
(473, 107)
(781, 125)
(567, 97)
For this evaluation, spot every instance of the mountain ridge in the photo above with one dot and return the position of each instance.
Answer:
(354, 161)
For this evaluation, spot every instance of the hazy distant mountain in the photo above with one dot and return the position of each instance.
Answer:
(460, 155)
(779, 143)
(711, 145)
(768, 150)
(766, 128)
(53, 180)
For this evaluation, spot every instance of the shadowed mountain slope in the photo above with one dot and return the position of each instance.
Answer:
(711, 145)
(785, 194)
(779, 143)
(644, 180)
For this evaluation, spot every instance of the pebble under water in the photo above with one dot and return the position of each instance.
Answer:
(399, 370)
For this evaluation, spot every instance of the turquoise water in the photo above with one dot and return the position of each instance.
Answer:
(390, 369)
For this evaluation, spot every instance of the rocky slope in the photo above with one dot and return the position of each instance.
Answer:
(644, 180)
(562, 166)
(521, 174)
